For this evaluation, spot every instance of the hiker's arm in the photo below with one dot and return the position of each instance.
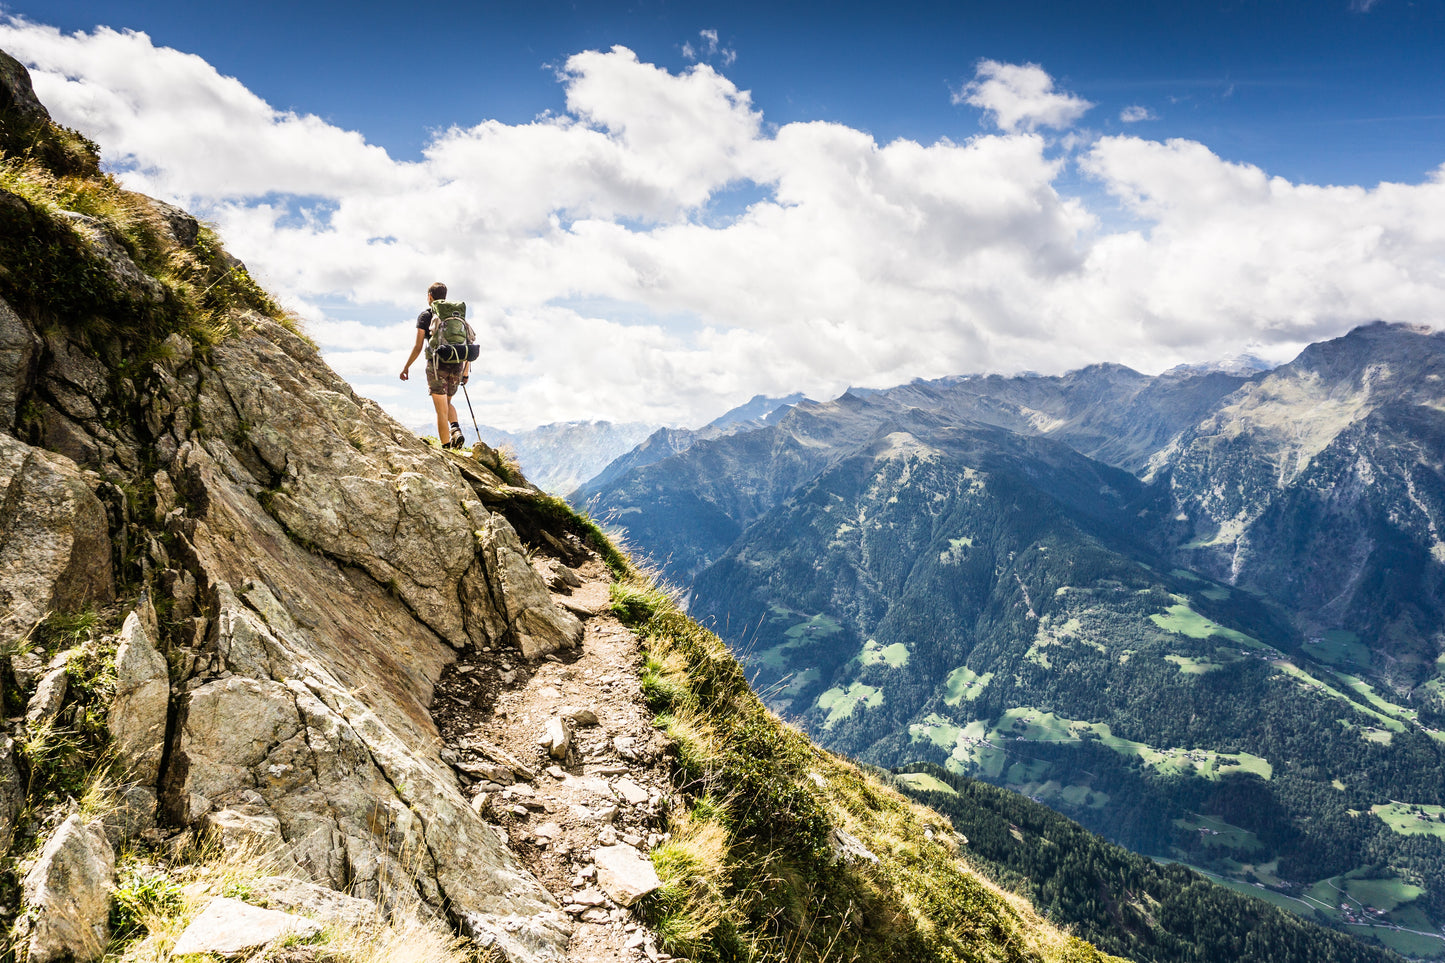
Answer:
(415, 350)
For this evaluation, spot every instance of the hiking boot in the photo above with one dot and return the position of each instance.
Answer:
(458, 440)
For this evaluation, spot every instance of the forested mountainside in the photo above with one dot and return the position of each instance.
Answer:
(283, 681)
(1128, 904)
(1199, 613)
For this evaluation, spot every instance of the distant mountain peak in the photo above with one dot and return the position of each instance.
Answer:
(1241, 365)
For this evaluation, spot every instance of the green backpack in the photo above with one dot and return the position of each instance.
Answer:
(452, 339)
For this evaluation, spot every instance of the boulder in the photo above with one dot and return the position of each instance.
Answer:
(624, 874)
(538, 626)
(849, 849)
(557, 576)
(56, 537)
(579, 717)
(230, 927)
(317, 902)
(557, 739)
(137, 719)
(631, 793)
(131, 815)
(28, 667)
(49, 697)
(67, 895)
(248, 829)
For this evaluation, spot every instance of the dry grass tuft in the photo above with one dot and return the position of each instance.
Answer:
(157, 902)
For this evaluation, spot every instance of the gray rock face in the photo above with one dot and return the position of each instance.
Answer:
(18, 345)
(319, 565)
(54, 539)
(12, 794)
(137, 718)
(17, 95)
(539, 626)
(68, 895)
(229, 927)
(317, 902)
(299, 750)
(109, 251)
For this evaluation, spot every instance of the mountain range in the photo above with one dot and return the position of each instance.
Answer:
(1200, 612)
(281, 679)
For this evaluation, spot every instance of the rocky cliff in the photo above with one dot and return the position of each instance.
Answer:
(250, 621)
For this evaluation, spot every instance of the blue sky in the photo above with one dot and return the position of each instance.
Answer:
(769, 197)
(1323, 91)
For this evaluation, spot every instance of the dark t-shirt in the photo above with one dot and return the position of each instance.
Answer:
(423, 320)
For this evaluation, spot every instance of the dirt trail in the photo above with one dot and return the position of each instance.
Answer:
(608, 790)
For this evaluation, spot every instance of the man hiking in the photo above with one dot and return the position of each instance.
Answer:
(442, 378)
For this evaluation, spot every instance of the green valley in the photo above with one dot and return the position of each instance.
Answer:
(1160, 613)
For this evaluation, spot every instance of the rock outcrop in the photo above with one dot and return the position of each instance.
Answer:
(68, 893)
(318, 564)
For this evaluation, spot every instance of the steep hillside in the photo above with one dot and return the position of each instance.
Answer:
(283, 681)
(1131, 905)
(1320, 485)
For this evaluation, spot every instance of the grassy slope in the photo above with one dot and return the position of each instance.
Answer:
(751, 873)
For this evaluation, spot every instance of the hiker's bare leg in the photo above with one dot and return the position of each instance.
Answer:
(446, 414)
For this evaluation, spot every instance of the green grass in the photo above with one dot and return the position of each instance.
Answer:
(1388, 721)
(757, 881)
(814, 627)
(894, 656)
(1084, 796)
(56, 277)
(1364, 689)
(1410, 945)
(1408, 820)
(936, 730)
(1190, 666)
(1386, 894)
(841, 703)
(1220, 833)
(963, 683)
(981, 747)
(925, 783)
(1182, 620)
(1339, 647)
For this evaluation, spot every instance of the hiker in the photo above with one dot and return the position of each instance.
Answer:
(442, 379)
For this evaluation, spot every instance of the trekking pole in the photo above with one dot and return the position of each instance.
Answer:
(473, 411)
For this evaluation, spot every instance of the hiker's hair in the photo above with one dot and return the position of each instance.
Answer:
(437, 291)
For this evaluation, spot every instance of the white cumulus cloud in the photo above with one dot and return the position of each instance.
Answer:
(1134, 113)
(608, 282)
(1020, 97)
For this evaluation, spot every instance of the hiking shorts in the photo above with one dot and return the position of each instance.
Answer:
(443, 379)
